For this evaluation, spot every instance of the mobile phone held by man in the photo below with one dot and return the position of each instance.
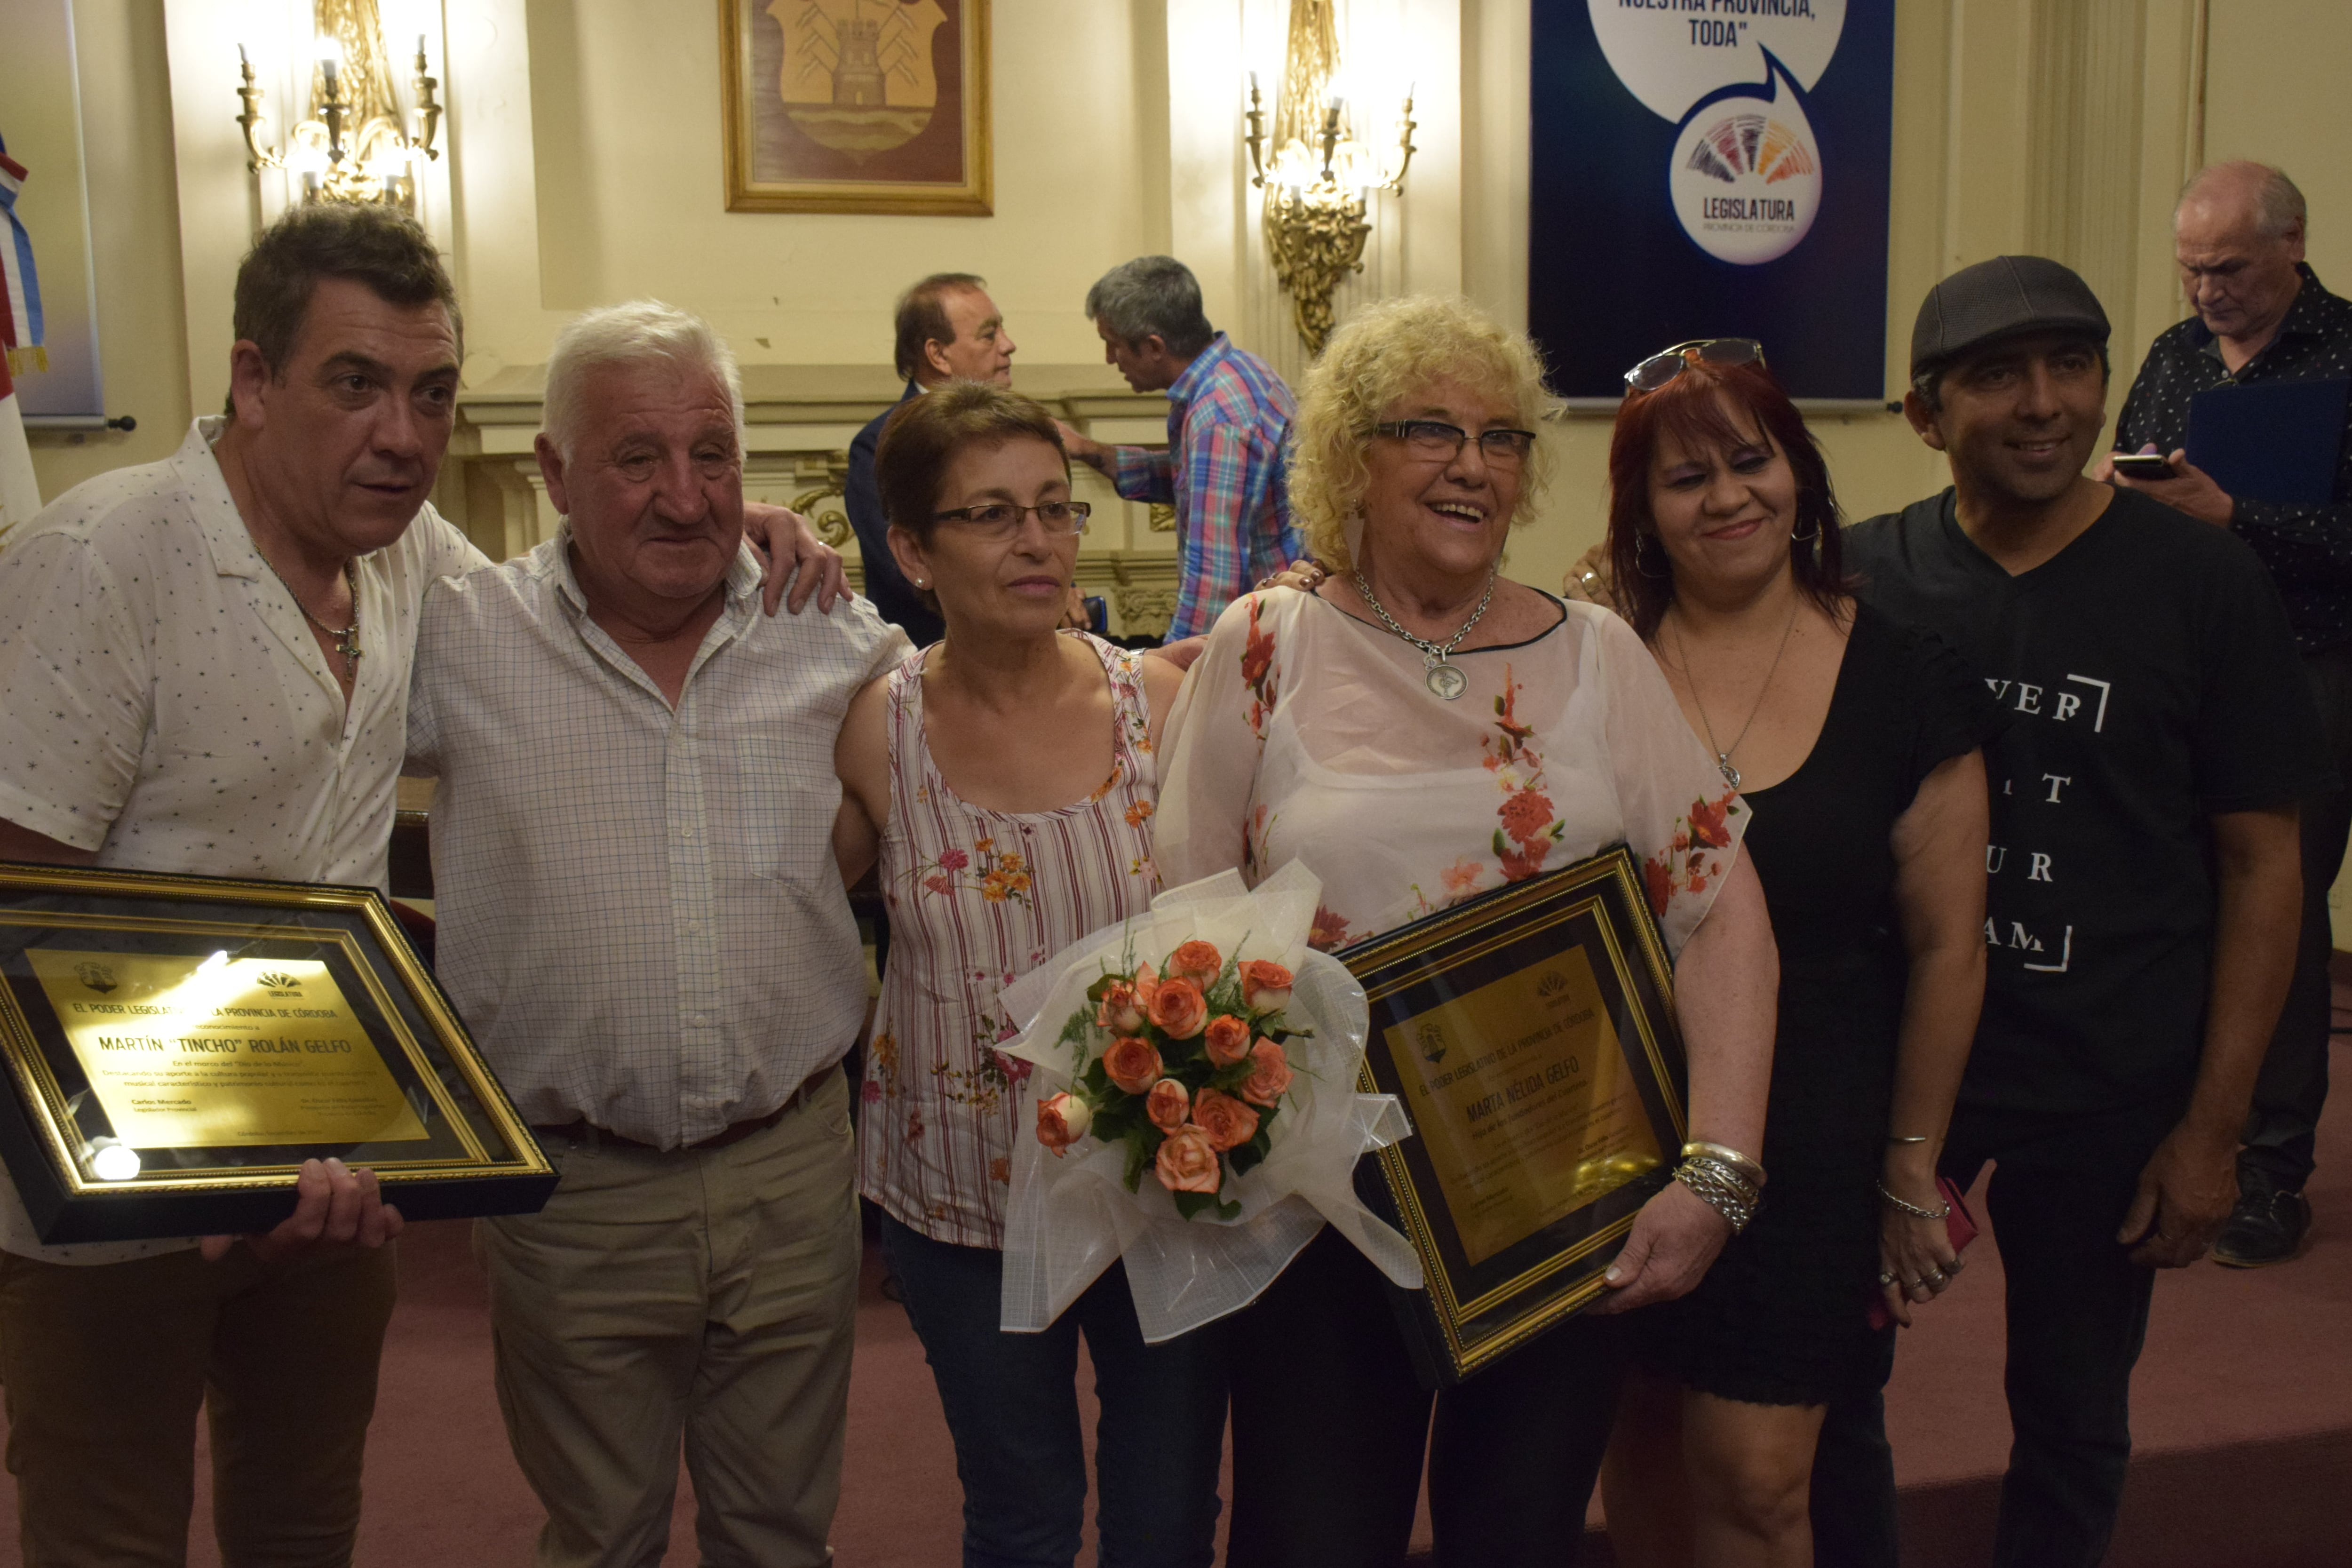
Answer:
(2143, 465)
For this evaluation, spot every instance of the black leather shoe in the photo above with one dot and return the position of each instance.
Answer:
(2269, 1226)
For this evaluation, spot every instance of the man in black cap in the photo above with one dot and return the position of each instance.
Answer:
(2144, 880)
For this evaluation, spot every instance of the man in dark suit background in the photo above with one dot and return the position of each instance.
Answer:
(948, 329)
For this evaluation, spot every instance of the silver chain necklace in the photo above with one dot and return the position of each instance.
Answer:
(1723, 756)
(347, 638)
(1444, 679)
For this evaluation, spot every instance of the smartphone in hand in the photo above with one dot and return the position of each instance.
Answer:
(2143, 465)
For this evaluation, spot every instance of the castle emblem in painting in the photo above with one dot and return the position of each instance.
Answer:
(857, 74)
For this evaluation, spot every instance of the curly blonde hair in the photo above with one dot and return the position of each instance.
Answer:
(1383, 355)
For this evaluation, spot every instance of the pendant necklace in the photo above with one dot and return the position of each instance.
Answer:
(1723, 754)
(347, 638)
(1444, 679)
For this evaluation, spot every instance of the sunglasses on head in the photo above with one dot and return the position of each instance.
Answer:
(1661, 368)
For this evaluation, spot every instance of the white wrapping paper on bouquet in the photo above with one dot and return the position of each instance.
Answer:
(1071, 1216)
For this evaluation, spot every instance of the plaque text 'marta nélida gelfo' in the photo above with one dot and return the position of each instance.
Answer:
(1524, 1103)
(193, 1052)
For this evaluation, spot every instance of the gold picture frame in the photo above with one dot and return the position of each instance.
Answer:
(1530, 1035)
(175, 1046)
(856, 106)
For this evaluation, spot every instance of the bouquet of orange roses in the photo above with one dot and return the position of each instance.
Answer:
(1195, 1109)
(1184, 1068)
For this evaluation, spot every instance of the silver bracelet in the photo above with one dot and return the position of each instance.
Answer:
(1914, 1209)
(1740, 1164)
(1721, 1190)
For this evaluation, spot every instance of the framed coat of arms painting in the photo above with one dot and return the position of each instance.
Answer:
(855, 106)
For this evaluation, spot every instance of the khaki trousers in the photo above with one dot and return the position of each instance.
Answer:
(708, 1298)
(106, 1365)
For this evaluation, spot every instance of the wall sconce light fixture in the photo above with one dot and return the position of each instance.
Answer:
(1317, 173)
(354, 148)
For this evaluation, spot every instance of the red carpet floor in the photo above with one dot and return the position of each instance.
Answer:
(2242, 1415)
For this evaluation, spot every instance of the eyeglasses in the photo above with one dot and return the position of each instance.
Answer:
(1437, 441)
(999, 520)
(1661, 368)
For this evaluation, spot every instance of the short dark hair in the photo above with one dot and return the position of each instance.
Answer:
(371, 244)
(925, 435)
(1688, 408)
(1152, 296)
(922, 318)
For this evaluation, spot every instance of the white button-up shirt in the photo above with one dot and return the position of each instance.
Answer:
(163, 702)
(640, 919)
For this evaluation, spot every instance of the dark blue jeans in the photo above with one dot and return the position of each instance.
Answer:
(1011, 1406)
(2077, 1314)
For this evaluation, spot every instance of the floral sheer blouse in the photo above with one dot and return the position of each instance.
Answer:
(1305, 734)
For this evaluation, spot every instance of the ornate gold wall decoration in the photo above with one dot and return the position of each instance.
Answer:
(1316, 172)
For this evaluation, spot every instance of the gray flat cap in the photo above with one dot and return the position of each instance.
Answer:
(2002, 298)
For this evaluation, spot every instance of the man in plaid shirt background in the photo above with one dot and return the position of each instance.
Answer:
(1228, 416)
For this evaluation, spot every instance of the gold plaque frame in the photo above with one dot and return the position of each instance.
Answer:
(1504, 1253)
(469, 1152)
(774, 165)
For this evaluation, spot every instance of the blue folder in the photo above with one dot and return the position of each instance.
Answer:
(2274, 441)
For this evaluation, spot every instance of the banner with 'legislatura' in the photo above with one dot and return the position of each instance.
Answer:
(1711, 168)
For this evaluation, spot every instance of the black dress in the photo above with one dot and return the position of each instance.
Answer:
(1783, 1316)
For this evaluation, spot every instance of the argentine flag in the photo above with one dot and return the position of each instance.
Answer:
(21, 331)
(20, 497)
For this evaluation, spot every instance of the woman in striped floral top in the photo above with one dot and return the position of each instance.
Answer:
(1006, 777)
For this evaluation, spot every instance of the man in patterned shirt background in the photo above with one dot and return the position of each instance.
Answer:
(2262, 317)
(1228, 417)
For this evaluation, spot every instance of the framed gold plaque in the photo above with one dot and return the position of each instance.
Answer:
(1530, 1035)
(855, 106)
(176, 1046)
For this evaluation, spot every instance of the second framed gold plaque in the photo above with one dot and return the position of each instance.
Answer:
(1530, 1036)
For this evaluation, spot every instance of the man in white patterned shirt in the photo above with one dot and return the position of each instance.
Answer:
(174, 696)
(642, 923)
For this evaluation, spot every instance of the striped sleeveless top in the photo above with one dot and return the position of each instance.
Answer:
(976, 899)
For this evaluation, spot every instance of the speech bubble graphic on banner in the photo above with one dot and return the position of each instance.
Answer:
(1671, 53)
(1746, 175)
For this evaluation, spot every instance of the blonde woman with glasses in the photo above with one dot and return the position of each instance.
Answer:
(1420, 729)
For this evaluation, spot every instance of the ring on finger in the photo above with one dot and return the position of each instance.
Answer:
(1886, 1277)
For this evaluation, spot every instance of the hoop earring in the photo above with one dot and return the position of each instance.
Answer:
(1796, 538)
(1639, 541)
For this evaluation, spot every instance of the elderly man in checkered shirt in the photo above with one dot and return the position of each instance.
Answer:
(1228, 419)
(642, 923)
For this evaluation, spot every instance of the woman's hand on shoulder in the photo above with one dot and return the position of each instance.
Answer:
(1592, 580)
(1306, 575)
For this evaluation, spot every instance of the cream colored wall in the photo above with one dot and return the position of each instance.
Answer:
(630, 197)
(127, 143)
(586, 165)
(2275, 90)
(2274, 85)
